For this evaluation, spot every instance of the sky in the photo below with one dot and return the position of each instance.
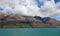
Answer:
(42, 8)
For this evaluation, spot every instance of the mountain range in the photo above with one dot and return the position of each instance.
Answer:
(17, 21)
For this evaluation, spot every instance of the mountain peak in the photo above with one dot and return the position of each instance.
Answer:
(28, 20)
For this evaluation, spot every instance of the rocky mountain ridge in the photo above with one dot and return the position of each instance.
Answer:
(35, 21)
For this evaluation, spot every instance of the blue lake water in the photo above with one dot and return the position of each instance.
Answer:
(29, 31)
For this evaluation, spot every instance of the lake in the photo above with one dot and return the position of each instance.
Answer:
(29, 31)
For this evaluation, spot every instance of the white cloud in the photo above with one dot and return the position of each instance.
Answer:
(30, 8)
(50, 9)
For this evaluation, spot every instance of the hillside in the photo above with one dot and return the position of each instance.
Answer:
(17, 21)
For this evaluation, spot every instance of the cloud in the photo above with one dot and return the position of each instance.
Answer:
(30, 7)
(50, 9)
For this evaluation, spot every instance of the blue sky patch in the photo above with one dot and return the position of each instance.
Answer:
(39, 3)
(55, 17)
(1, 9)
(56, 1)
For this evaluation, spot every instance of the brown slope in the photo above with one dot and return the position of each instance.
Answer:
(35, 23)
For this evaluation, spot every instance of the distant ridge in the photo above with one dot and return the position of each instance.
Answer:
(29, 21)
